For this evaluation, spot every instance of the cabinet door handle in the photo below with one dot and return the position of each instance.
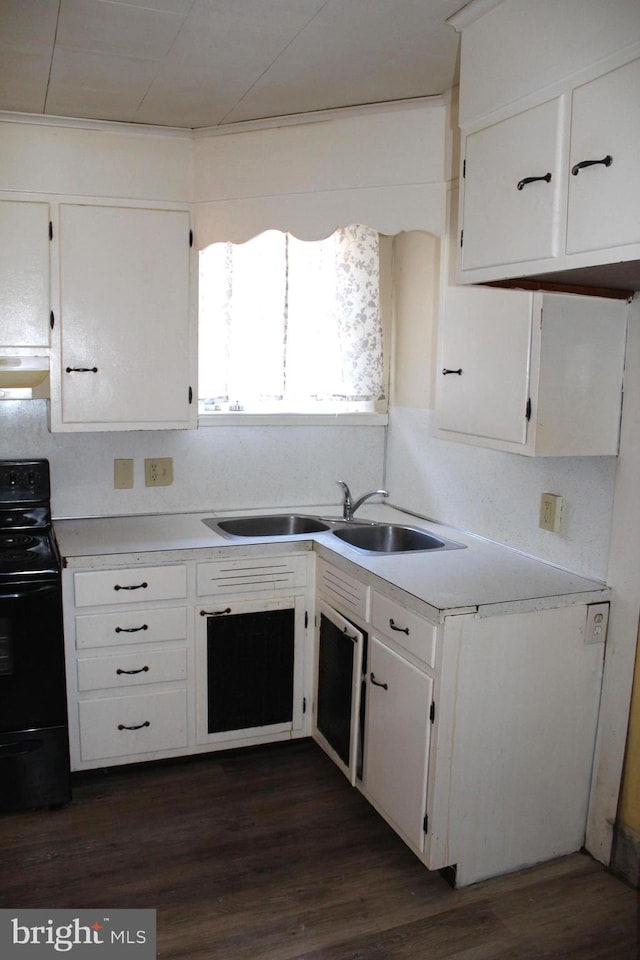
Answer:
(606, 162)
(140, 670)
(82, 369)
(522, 183)
(398, 629)
(145, 626)
(376, 683)
(446, 371)
(139, 726)
(215, 613)
(135, 586)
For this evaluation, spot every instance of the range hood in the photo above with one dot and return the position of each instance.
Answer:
(24, 377)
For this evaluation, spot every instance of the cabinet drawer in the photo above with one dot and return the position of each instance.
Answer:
(343, 591)
(129, 669)
(409, 630)
(251, 575)
(130, 585)
(130, 626)
(127, 726)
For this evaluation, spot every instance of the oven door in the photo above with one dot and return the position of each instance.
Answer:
(32, 678)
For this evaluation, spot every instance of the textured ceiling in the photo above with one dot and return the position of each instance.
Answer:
(202, 63)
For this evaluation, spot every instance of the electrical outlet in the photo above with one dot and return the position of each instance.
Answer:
(123, 474)
(550, 512)
(158, 471)
(597, 621)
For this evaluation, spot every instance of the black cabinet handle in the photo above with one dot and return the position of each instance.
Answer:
(131, 672)
(376, 683)
(82, 369)
(123, 726)
(136, 586)
(215, 613)
(606, 162)
(446, 371)
(398, 629)
(522, 183)
(145, 626)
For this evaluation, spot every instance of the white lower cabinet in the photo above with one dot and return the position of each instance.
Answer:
(396, 740)
(176, 658)
(475, 736)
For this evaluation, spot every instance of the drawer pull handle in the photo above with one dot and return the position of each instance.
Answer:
(526, 180)
(376, 683)
(398, 629)
(139, 670)
(139, 726)
(135, 586)
(81, 369)
(446, 371)
(145, 626)
(215, 613)
(606, 162)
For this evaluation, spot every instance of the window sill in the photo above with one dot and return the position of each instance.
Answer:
(293, 419)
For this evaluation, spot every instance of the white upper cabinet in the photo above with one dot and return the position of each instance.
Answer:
(604, 181)
(566, 109)
(531, 373)
(24, 274)
(512, 189)
(126, 336)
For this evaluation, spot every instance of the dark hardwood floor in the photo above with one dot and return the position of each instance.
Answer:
(269, 854)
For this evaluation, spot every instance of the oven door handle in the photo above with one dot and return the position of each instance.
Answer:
(9, 593)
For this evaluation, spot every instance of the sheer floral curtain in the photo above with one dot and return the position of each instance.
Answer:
(291, 324)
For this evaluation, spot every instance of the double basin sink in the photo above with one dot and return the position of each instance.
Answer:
(369, 536)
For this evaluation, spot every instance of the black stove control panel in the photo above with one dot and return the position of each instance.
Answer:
(24, 481)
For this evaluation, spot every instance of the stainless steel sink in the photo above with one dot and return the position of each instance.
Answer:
(268, 525)
(392, 538)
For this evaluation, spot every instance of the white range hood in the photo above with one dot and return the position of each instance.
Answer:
(24, 377)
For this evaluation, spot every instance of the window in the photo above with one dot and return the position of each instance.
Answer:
(291, 326)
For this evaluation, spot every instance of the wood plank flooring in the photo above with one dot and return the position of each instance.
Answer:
(269, 854)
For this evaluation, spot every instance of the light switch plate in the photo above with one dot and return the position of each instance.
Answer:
(123, 474)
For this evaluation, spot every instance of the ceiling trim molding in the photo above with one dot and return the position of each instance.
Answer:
(321, 116)
(471, 12)
(82, 123)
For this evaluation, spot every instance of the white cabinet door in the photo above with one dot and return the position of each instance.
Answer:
(397, 737)
(483, 380)
(125, 330)
(24, 274)
(512, 181)
(604, 197)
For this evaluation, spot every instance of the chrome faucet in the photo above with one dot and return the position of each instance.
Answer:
(349, 507)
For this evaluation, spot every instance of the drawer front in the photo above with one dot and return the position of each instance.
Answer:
(343, 591)
(131, 669)
(130, 585)
(130, 626)
(127, 726)
(251, 576)
(408, 629)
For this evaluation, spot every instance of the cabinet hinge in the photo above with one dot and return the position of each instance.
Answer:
(190, 238)
(425, 823)
(52, 320)
(50, 229)
(528, 410)
(190, 394)
(432, 711)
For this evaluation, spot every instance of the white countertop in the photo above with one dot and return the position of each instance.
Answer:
(484, 576)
